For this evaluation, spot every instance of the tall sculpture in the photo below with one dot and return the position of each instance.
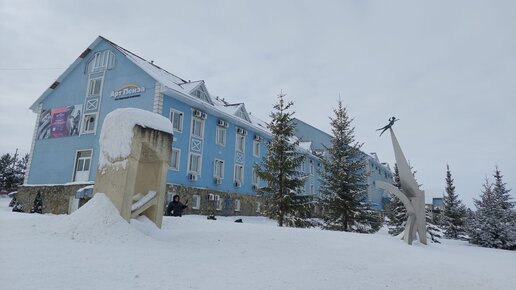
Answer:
(409, 193)
(135, 153)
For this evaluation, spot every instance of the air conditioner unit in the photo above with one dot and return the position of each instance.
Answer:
(199, 114)
(218, 181)
(192, 176)
(257, 138)
(238, 183)
(222, 123)
(241, 131)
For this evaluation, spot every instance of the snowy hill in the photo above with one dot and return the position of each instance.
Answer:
(94, 248)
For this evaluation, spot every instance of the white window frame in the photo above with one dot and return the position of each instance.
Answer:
(220, 131)
(312, 167)
(76, 158)
(218, 202)
(181, 120)
(84, 123)
(256, 149)
(178, 159)
(255, 178)
(90, 86)
(239, 179)
(237, 204)
(190, 156)
(201, 130)
(215, 163)
(169, 196)
(196, 201)
(258, 207)
(240, 143)
(101, 61)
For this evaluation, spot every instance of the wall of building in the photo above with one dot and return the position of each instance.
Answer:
(56, 198)
(53, 159)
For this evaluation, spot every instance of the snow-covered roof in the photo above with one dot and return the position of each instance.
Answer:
(190, 86)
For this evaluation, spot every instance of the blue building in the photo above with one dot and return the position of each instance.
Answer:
(216, 143)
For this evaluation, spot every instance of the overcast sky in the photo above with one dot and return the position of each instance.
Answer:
(446, 69)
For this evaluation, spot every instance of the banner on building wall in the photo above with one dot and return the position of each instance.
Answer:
(59, 122)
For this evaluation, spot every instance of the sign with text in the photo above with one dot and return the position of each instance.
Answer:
(127, 91)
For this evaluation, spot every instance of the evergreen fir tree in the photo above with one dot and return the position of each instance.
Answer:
(494, 223)
(344, 186)
(454, 213)
(38, 204)
(7, 176)
(12, 171)
(433, 232)
(280, 170)
(396, 211)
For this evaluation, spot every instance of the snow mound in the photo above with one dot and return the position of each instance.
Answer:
(98, 220)
(117, 133)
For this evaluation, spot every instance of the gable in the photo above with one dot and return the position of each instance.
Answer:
(241, 112)
(201, 93)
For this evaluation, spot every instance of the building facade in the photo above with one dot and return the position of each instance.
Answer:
(216, 143)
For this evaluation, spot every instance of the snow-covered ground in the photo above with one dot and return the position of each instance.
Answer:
(95, 249)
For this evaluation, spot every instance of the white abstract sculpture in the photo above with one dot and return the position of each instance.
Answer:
(412, 197)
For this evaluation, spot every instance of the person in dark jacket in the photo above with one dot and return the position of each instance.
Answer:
(175, 207)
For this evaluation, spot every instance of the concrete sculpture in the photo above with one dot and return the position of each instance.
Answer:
(135, 150)
(409, 193)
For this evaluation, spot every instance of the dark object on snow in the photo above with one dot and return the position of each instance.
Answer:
(239, 221)
(13, 202)
(388, 126)
(211, 217)
(17, 207)
(175, 207)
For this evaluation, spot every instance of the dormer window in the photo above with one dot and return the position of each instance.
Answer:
(101, 61)
(202, 94)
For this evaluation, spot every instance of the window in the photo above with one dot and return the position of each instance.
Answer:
(218, 169)
(240, 143)
(174, 159)
(256, 149)
(101, 61)
(196, 201)
(302, 167)
(239, 174)
(176, 118)
(170, 196)
(82, 165)
(194, 164)
(311, 189)
(95, 87)
(89, 123)
(312, 167)
(256, 179)
(218, 202)
(237, 204)
(197, 127)
(258, 207)
(220, 136)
